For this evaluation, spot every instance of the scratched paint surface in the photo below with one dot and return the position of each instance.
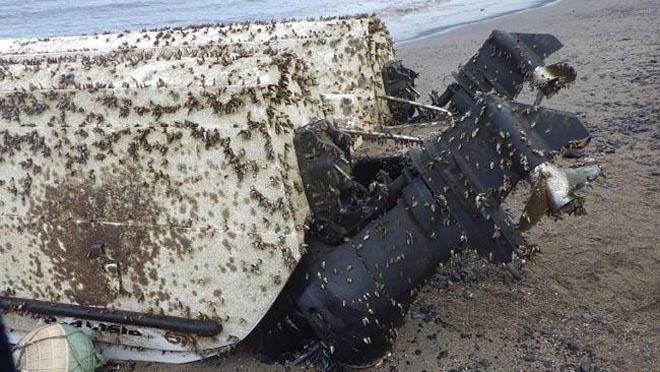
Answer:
(155, 172)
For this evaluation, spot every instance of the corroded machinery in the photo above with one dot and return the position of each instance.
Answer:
(171, 192)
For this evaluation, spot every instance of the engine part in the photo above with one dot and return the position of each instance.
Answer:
(554, 192)
(503, 64)
(351, 297)
(399, 81)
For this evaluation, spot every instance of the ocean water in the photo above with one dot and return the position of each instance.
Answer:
(406, 19)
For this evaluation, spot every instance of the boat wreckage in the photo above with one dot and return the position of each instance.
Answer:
(172, 192)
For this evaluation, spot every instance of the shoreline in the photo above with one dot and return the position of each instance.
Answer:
(437, 31)
(433, 31)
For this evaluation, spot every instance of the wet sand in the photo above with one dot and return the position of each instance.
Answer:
(590, 299)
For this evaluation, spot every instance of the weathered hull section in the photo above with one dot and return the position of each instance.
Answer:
(153, 172)
(345, 58)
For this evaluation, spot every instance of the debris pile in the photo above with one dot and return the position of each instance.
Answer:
(157, 184)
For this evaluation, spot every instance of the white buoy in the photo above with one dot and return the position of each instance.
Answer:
(56, 348)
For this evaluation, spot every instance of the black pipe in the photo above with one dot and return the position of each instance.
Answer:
(207, 328)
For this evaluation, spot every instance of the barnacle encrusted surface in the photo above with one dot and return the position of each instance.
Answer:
(154, 171)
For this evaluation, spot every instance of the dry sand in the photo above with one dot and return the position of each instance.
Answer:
(590, 300)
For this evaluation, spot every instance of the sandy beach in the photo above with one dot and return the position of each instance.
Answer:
(590, 299)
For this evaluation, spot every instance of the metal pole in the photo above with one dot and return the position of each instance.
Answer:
(381, 135)
(413, 103)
